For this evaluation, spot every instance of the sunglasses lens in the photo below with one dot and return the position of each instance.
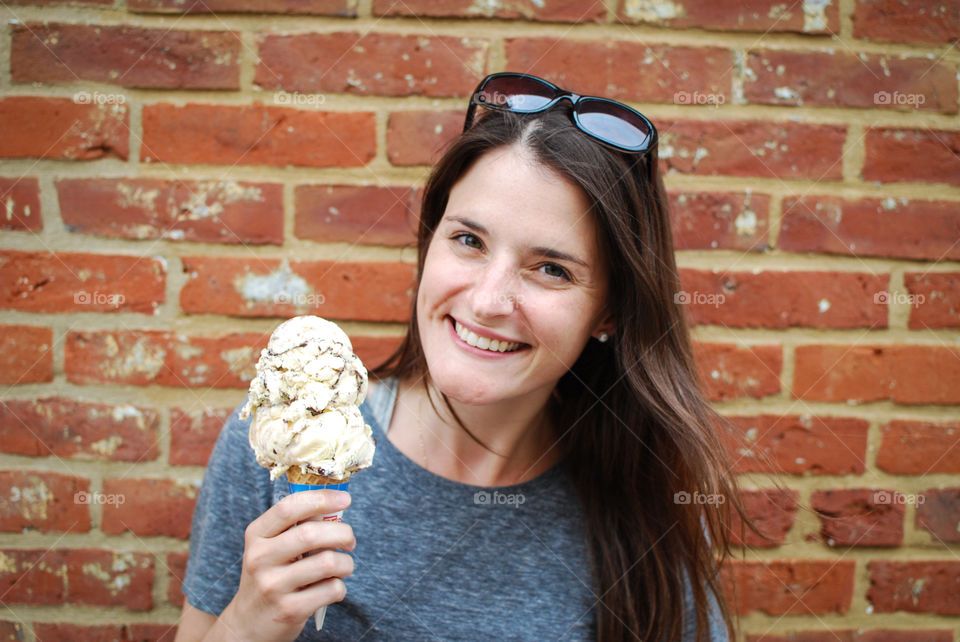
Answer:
(614, 123)
(516, 93)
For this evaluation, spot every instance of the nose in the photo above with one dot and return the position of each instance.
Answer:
(494, 292)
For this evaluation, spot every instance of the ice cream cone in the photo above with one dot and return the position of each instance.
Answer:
(305, 402)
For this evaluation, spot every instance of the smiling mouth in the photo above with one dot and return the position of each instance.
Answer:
(483, 343)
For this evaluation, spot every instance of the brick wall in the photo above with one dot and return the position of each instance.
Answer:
(178, 177)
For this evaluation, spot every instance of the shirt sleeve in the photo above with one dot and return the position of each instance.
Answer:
(235, 491)
(718, 628)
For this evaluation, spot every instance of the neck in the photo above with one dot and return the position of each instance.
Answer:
(506, 443)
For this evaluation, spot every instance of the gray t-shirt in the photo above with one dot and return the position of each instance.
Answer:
(435, 559)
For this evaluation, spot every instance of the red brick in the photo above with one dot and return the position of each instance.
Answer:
(148, 357)
(790, 587)
(214, 211)
(256, 135)
(752, 148)
(20, 199)
(926, 21)
(177, 570)
(193, 434)
(371, 63)
(374, 351)
(719, 220)
(25, 354)
(768, 16)
(44, 501)
(939, 513)
(597, 67)
(902, 373)
(149, 632)
(59, 128)
(730, 371)
(778, 77)
(139, 632)
(149, 507)
(125, 55)
(772, 512)
(267, 287)
(919, 447)
(343, 8)
(75, 282)
(916, 155)
(783, 299)
(77, 576)
(80, 430)
(356, 214)
(916, 587)
(897, 228)
(796, 444)
(858, 517)
(859, 635)
(553, 11)
(77, 2)
(934, 298)
(418, 137)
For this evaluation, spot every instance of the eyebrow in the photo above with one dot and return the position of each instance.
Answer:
(548, 252)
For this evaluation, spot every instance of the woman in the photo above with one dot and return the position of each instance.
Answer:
(536, 429)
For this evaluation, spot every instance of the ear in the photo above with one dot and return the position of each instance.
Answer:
(606, 325)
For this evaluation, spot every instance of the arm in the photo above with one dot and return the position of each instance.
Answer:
(194, 624)
(248, 574)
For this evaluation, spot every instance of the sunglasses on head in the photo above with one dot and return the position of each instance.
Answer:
(606, 120)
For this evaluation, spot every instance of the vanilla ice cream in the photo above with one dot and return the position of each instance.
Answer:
(305, 402)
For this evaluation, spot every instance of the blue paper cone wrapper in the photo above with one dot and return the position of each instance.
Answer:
(296, 488)
(332, 517)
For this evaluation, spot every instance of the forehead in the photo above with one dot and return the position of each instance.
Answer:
(508, 193)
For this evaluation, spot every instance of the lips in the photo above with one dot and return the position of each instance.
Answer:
(486, 343)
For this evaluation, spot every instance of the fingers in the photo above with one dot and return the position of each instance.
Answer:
(295, 608)
(319, 567)
(320, 594)
(311, 536)
(297, 507)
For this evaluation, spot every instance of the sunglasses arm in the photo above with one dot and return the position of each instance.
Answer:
(468, 121)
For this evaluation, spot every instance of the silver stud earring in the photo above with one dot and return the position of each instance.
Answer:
(603, 337)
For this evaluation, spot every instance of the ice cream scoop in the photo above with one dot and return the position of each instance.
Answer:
(305, 402)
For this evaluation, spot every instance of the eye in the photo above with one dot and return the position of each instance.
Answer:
(555, 271)
(467, 239)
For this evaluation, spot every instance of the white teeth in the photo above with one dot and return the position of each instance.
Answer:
(484, 343)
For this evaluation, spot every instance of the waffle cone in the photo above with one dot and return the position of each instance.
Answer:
(297, 476)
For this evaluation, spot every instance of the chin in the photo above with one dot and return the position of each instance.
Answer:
(462, 387)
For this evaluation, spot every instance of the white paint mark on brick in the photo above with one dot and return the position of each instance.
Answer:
(815, 14)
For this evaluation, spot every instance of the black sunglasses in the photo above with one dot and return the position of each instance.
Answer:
(608, 121)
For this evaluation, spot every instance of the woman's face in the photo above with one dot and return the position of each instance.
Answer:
(514, 258)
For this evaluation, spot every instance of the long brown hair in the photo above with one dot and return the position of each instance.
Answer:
(632, 408)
